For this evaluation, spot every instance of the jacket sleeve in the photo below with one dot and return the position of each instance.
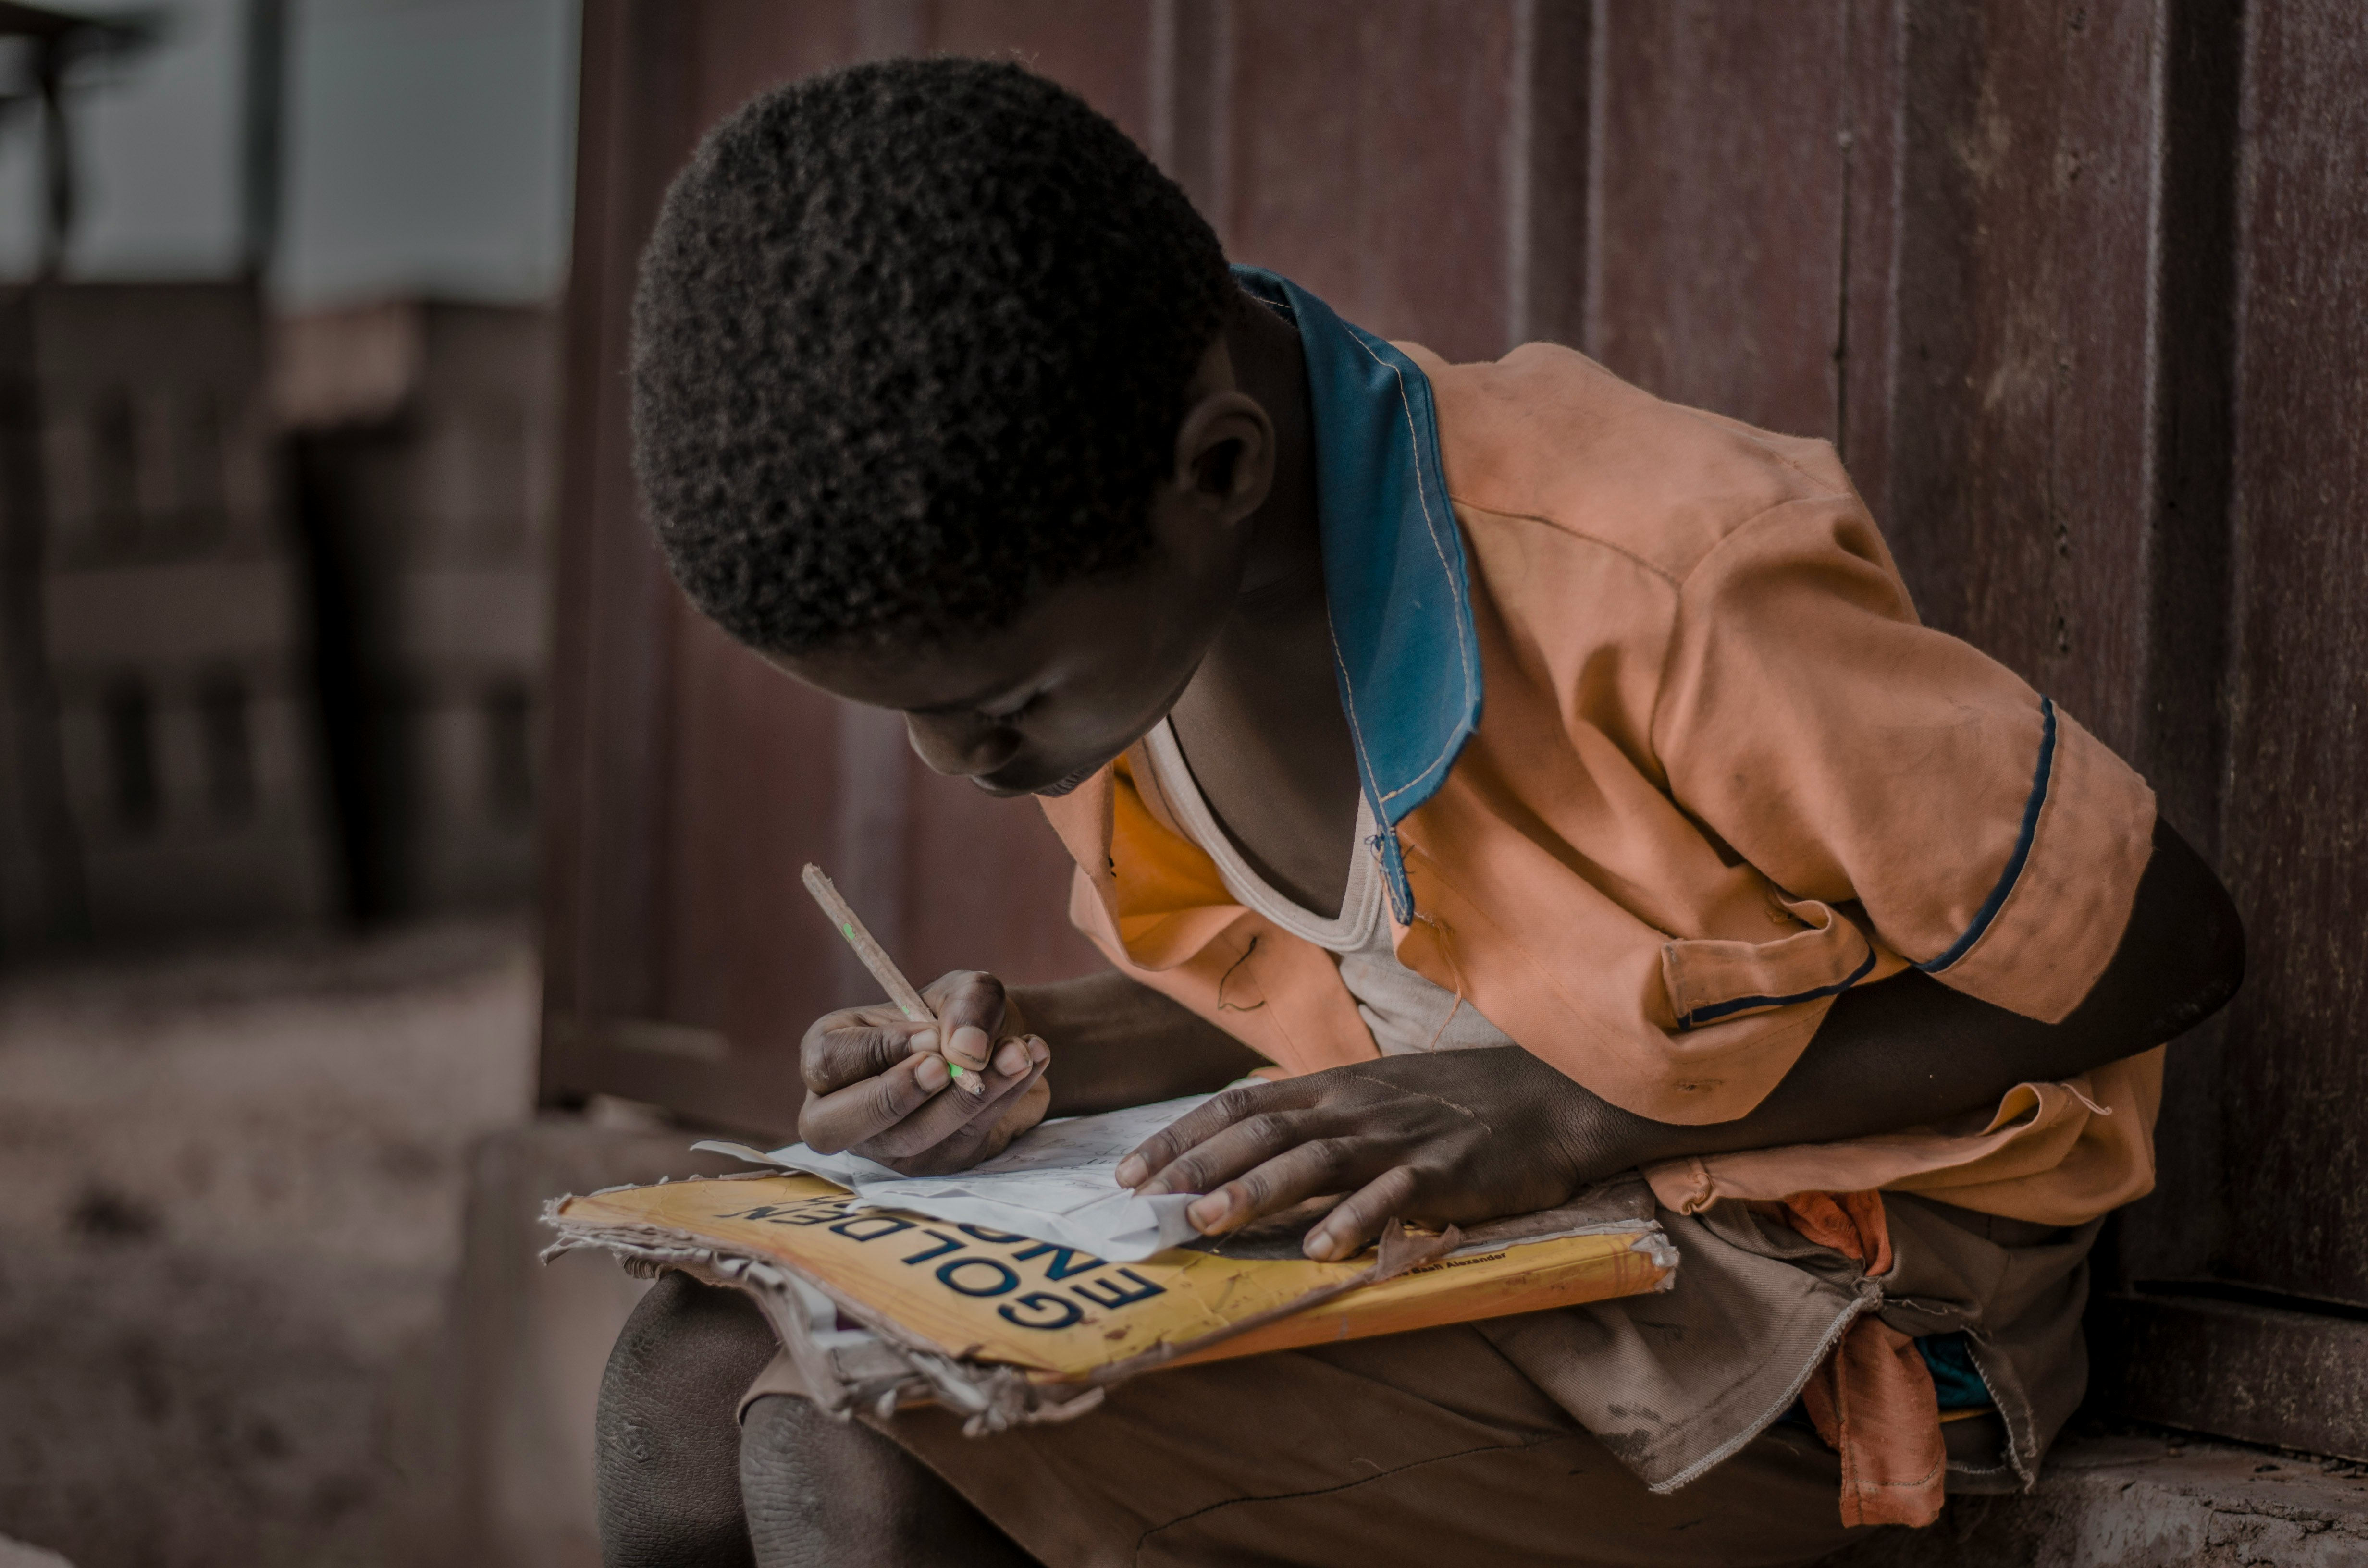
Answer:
(1854, 754)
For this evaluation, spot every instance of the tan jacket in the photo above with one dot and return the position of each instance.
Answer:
(1667, 762)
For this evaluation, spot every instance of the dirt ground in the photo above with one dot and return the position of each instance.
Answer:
(231, 1192)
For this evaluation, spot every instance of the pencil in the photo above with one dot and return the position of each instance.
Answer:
(867, 948)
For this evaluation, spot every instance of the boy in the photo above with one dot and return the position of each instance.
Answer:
(1540, 780)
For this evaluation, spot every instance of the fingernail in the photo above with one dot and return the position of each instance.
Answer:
(1132, 1170)
(1208, 1213)
(1012, 1059)
(923, 1044)
(931, 1074)
(969, 1046)
(1038, 1051)
(1324, 1247)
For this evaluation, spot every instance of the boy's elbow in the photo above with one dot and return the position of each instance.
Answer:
(2201, 948)
(2224, 968)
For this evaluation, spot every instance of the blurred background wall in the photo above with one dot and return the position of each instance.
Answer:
(279, 421)
(278, 410)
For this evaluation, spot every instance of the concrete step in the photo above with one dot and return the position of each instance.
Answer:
(2147, 1502)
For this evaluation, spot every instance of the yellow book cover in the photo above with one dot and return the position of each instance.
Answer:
(881, 1306)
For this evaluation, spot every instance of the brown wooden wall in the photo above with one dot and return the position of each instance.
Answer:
(2075, 287)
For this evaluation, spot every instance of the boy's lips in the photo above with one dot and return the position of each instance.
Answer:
(1060, 787)
(1056, 788)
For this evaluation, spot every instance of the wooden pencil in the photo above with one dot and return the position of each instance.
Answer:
(866, 947)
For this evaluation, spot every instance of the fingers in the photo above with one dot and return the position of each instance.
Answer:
(1357, 1222)
(947, 1133)
(1230, 1152)
(869, 1107)
(915, 1150)
(904, 1111)
(969, 1005)
(847, 1047)
(1152, 1158)
(1257, 1150)
(1300, 1172)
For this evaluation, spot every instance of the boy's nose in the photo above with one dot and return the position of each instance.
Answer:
(966, 748)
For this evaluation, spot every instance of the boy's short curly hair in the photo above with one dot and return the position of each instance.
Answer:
(911, 345)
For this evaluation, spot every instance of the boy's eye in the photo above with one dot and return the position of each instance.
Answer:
(1013, 715)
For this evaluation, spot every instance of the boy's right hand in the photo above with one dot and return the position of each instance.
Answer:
(878, 1084)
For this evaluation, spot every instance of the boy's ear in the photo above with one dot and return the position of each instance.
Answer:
(1225, 454)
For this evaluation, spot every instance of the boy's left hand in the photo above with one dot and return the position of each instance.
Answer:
(1457, 1136)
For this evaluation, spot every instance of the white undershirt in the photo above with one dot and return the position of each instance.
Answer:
(1407, 1012)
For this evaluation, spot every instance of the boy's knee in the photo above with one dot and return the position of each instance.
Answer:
(666, 1454)
(821, 1491)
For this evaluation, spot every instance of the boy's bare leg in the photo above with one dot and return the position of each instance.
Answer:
(822, 1492)
(672, 1464)
(666, 1449)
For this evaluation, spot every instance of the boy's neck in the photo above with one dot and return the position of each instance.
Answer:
(1285, 569)
(1261, 723)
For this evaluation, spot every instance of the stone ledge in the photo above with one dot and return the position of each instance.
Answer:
(2147, 1503)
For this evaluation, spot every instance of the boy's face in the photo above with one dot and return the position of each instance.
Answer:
(1038, 707)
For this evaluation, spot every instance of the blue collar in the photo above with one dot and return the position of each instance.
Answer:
(1403, 647)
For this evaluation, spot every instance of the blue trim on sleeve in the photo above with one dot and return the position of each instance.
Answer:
(1717, 1010)
(2013, 872)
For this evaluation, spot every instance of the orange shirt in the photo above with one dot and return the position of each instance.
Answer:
(1664, 761)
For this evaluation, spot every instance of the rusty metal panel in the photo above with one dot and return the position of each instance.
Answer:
(1367, 154)
(1717, 196)
(2297, 1085)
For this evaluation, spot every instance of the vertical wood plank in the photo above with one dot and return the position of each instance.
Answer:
(1546, 198)
(987, 887)
(2296, 825)
(746, 46)
(1716, 193)
(1367, 160)
(1872, 167)
(607, 786)
(1192, 60)
(751, 760)
(1099, 48)
(2182, 742)
(2019, 447)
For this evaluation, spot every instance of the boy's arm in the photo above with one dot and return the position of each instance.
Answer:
(1470, 1136)
(1911, 1051)
(1117, 1042)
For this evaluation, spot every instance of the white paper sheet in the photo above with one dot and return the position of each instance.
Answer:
(1056, 1182)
